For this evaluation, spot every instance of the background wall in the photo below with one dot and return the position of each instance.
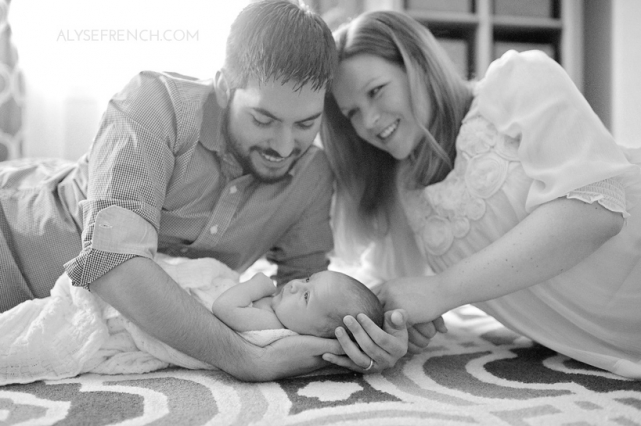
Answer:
(75, 54)
(612, 64)
(626, 71)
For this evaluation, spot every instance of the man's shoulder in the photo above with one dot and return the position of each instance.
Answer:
(314, 164)
(313, 168)
(187, 87)
(170, 86)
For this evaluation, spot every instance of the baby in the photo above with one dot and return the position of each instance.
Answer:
(314, 305)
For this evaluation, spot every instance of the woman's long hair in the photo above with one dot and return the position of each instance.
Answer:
(367, 178)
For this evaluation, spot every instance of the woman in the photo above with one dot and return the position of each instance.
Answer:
(510, 189)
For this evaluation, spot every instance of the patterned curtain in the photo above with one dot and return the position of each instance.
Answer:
(11, 91)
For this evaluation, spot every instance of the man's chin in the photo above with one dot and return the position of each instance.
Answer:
(261, 177)
(267, 175)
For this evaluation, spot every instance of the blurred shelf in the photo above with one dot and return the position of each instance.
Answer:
(475, 32)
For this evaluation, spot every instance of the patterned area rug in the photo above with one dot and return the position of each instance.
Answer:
(478, 373)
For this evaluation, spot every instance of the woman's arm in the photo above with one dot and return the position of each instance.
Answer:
(232, 307)
(552, 239)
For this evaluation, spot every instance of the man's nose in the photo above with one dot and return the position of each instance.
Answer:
(284, 142)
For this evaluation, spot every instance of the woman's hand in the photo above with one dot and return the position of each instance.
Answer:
(377, 349)
(423, 303)
(423, 298)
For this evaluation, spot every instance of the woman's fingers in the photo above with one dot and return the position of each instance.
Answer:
(439, 323)
(413, 349)
(419, 339)
(420, 335)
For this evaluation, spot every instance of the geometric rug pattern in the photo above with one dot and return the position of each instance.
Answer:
(479, 373)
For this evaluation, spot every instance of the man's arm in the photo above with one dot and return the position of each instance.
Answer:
(145, 294)
(232, 307)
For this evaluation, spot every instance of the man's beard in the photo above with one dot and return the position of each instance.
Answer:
(244, 159)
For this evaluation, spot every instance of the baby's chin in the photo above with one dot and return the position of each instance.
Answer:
(277, 297)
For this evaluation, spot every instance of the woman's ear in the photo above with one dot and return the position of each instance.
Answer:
(221, 86)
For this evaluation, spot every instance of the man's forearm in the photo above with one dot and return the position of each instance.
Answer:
(147, 296)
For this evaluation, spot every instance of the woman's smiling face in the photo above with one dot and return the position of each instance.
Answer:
(374, 94)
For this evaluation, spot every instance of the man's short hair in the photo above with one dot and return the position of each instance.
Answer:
(281, 41)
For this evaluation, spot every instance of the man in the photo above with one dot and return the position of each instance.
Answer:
(224, 169)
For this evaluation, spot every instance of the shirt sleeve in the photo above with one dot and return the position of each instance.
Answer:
(130, 165)
(563, 144)
(304, 248)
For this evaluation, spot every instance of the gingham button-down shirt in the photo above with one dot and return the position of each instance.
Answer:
(159, 177)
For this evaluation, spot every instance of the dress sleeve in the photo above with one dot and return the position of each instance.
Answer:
(130, 164)
(563, 144)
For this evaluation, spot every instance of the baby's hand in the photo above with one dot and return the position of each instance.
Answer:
(262, 280)
(261, 286)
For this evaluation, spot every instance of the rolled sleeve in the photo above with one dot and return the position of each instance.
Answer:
(130, 166)
(121, 231)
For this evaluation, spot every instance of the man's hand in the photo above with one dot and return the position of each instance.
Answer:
(377, 349)
(290, 356)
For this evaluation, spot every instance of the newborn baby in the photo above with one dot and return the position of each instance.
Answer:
(314, 305)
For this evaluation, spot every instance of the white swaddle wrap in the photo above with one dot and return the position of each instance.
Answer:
(73, 332)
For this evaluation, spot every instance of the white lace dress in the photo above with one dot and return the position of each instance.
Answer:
(529, 138)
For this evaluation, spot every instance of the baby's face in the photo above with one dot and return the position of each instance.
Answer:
(303, 305)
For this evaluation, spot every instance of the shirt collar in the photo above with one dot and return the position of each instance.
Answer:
(213, 137)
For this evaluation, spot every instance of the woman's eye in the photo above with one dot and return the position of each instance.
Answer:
(375, 91)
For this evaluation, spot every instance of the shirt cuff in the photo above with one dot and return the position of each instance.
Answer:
(117, 235)
(91, 265)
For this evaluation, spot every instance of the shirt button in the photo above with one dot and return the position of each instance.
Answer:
(184, 250)
(233, 189)
(213, 229)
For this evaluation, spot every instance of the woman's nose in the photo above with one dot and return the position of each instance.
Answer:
(371, 118)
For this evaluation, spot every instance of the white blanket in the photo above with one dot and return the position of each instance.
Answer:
(74, 332)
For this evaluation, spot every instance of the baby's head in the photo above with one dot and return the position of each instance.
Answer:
(318, 304)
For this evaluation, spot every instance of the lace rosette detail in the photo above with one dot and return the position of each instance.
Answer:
(480, 170)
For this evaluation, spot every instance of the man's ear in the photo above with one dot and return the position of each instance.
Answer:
(223, 92)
